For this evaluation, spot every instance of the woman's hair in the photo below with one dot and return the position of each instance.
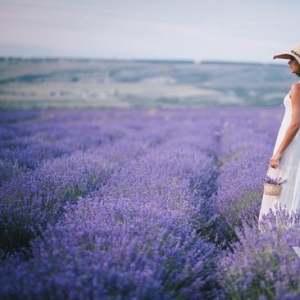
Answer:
(298, 72)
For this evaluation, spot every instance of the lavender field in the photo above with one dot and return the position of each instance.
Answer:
(140, 204)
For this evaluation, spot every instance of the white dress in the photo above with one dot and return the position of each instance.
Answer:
(289, 164)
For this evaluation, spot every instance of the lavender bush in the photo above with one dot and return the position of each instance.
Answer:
(264, 264)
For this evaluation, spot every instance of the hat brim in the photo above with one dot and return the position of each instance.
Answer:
(284, 56)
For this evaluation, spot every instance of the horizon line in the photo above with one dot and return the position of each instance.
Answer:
(142, 60)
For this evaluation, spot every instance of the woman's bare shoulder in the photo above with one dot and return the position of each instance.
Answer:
(296, 86)
(295, 90)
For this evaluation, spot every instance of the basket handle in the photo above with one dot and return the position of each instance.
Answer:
(277, 170)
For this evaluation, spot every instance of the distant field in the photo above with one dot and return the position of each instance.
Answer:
(55, 83)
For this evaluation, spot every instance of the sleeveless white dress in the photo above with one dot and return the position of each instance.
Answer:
(289, 164)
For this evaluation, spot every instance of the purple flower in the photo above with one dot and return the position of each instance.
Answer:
(275, 181)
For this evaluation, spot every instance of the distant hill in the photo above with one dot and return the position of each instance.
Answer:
(66, 83)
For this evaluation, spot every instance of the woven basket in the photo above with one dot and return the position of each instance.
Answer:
(272, 189)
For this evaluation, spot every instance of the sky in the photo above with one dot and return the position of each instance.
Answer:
(232, 30)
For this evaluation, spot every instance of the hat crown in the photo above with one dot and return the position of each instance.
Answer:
(296, 49)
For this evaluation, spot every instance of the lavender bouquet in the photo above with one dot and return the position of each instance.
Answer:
(273, 186)
(274, 181)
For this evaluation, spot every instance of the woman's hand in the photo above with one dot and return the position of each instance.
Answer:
(274, 160)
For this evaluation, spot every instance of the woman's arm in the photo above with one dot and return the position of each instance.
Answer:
(293, 127)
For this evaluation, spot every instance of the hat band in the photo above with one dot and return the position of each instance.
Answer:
(294, 52)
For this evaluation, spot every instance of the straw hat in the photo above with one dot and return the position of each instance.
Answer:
(295, 52)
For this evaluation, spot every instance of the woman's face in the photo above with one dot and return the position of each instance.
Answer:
(294, 65)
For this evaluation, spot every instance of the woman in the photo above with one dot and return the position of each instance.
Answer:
(285, 162)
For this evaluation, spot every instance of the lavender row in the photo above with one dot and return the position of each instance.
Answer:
(245, 148)
(265, 263)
